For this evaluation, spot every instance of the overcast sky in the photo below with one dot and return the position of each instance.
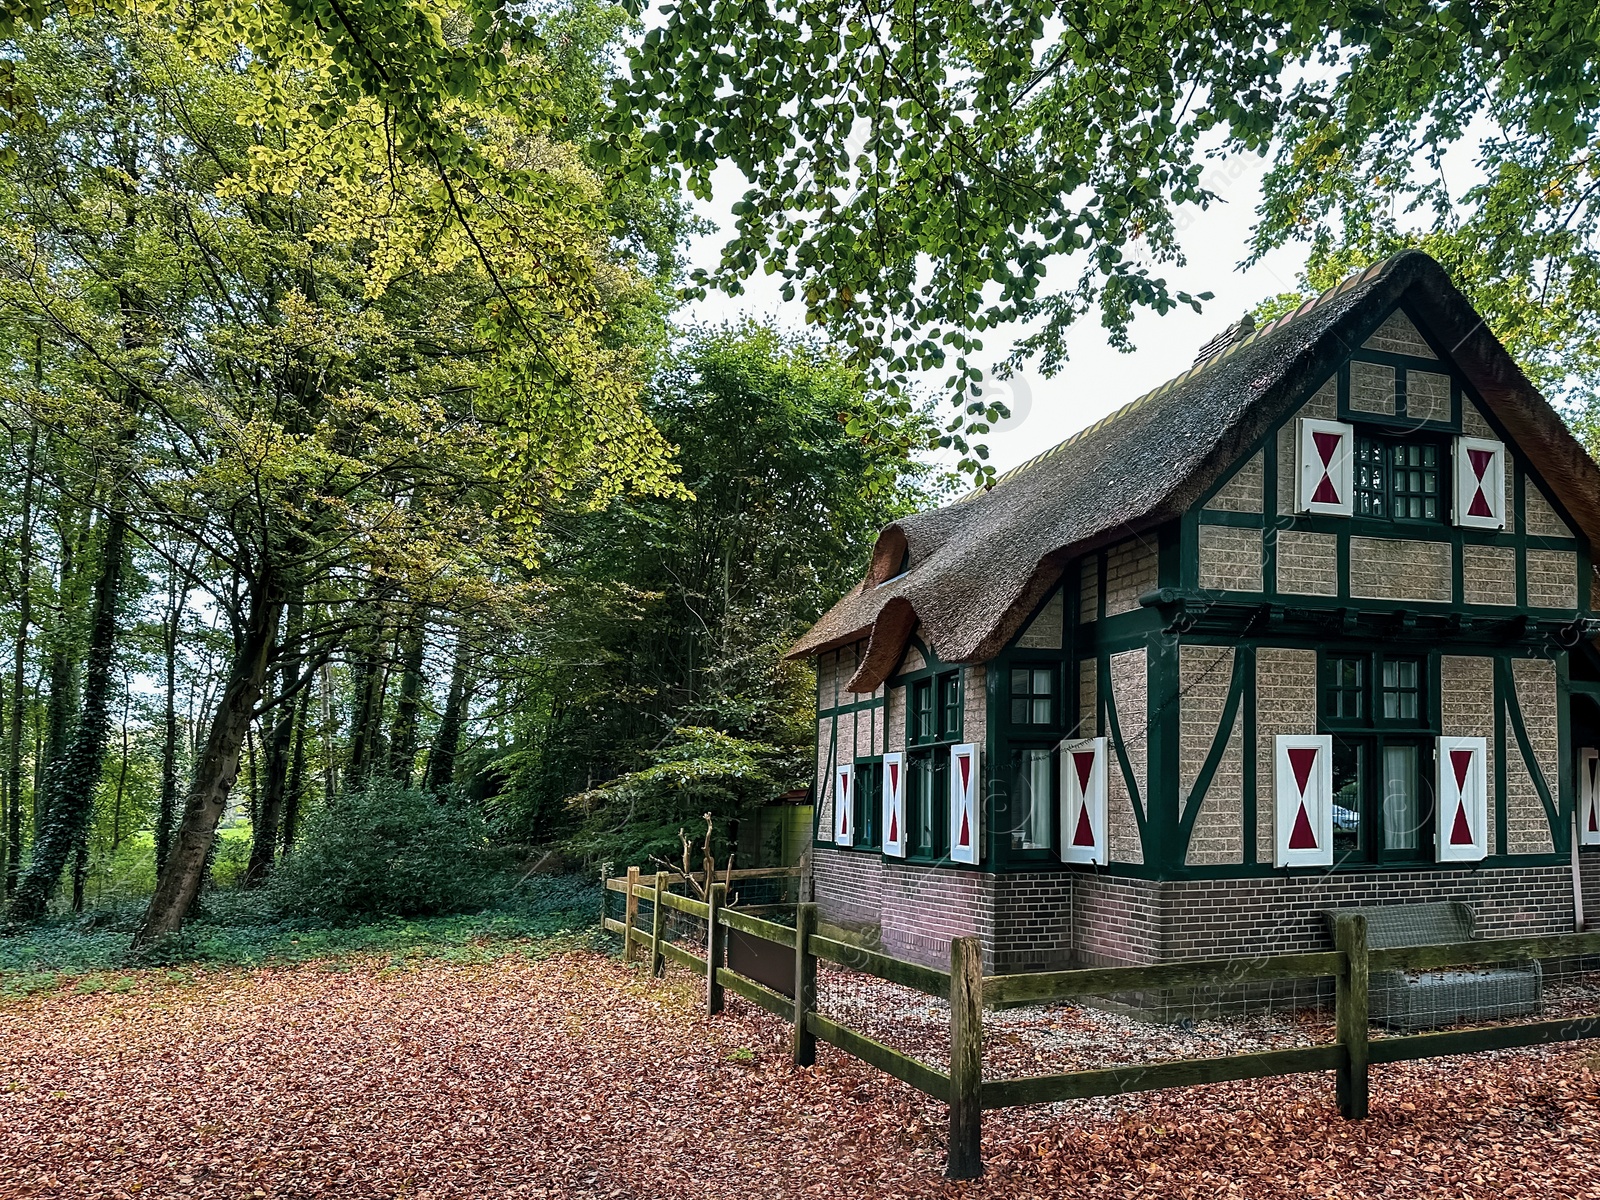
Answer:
(1097, 379)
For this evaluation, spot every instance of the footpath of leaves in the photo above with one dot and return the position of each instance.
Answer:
(571, 1075)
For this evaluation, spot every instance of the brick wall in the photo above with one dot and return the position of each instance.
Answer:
(1527, 827)
(1047, 919)
(1427, 396)
(1044, 632)
(1372, 388)
(1397, 335)
(1489, 574)
(1130, 687)
(1308, 563)
(1205, 674)
(1286, 702)
(1552, 579)
(1242, 492)
(1130, 573)
(1400, 569)
(1230, 559)
(1541, 514)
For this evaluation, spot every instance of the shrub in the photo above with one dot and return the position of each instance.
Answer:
(386, 850)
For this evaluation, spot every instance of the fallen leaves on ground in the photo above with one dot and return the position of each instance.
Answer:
(573, 1075)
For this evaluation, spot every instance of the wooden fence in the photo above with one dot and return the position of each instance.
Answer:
(969, 992)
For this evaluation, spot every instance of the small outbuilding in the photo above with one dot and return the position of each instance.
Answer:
(1310, 626)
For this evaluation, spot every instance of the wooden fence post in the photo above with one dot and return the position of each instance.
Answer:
(1350, 937)
(966, 1059)
(630, 914)
(658, 961)
(714, 940)
(805, 985)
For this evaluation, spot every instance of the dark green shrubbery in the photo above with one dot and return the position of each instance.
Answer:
(386, 850)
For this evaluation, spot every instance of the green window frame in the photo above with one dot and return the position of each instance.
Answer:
(1375, 704)
(868, 803)
(933, 725)
(1400, 479)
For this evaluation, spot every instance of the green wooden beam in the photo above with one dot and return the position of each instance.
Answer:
(1045, 987)
(895, 970)
(887, 1059)
(1148, 1077)
(1473, 1041)
(1489, 950)
(752, 991)
(744, 923)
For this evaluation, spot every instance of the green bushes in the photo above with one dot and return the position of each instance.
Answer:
(386, 850)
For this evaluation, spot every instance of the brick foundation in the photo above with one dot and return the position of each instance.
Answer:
(1049, 919)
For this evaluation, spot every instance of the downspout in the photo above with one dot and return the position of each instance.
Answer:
(1577, 879)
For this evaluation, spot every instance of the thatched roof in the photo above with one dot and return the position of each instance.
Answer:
(978, 566)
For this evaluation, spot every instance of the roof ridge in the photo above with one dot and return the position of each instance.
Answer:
(1354, 279)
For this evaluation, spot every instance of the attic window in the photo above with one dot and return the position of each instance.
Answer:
(1398, 480)
(891, 557)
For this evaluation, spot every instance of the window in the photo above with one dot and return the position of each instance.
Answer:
(935, 710)
(950, 706)
(928, 804)
(868, 803)
(1033, 695)
(1382, 757)
(1343, 688)
(1398, 480)
(1030, 815)
(933, 723)
(922, 727)
(1402, 689)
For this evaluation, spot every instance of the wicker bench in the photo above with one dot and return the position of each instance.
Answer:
(1421, 999)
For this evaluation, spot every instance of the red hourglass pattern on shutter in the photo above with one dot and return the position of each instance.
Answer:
(1463, 813)
(1480, 498)
(1083, 801)
(894, 804)
(843, 804)
(964, 831)
(1324, 481)
(1304, 791)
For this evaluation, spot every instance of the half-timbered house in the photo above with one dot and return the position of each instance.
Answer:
(1308, 626)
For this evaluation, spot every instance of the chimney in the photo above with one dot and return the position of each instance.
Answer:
(1241, 328)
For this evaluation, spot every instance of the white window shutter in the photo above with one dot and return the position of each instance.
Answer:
(1303, 784)
(1323, 485)
(894, 804)
(1588, 796)
(1461, 831)
(844, 799)
(964, 831)
(1083, 801)
(1480, 499)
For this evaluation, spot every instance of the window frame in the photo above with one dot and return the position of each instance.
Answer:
(937, 693)
(868, 803)
(1385, 443)
(1370, 734)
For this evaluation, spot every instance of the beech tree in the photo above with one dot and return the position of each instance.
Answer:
(280, 349)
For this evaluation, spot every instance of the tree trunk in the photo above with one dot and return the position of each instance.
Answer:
(280, 744)
(167, 808)
(13, 863)
(447, 742)
(367, 684)
(215, 771)
(297, 777)
(75, 777)
(80, 875)
(408, 705)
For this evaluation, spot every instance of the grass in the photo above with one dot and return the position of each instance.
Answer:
(90, 952)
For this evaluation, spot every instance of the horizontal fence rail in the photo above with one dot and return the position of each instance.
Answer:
(969, 994)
